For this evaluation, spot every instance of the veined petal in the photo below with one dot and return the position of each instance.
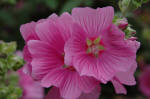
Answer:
(127, 78)
(44, 58)
(119, 88)
(55, 77)
(70, 89)
(28, 31)
(94, 21)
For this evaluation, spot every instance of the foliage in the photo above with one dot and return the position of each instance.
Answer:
(9, 62)
(130, 5)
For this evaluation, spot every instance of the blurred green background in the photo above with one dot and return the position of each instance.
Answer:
(13, 13)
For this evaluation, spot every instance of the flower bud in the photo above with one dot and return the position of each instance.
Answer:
(122, 24)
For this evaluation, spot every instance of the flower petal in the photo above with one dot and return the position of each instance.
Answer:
(55, 77)
(53, 94)
(119, 88)
(94, 21)
(92, 95)
(28, 31)
(55, 32)
(44, 57)
(127, 78)
(70, 88)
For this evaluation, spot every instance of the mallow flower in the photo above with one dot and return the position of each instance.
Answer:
(47, 58)
(97, 47)
(28, 33)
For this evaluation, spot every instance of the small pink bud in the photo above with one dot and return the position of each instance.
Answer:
(123, 23)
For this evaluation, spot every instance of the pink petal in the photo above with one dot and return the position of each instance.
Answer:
(26, 54)
(45, 57)
(53, 94)
(27, 68)
(54, 77)
(30, 88)
(87, 84)
(70, 83)
(118, 49)
(53, 17)
(72, 47)
(119, 88)
(94, 21)
(70, 88)
(28, 31)
(55, 32)
(92, 95)
(127, 77)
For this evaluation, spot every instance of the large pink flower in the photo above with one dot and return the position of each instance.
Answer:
(144, 81)
(47, 54)
(31, 89)
(55, 94)
(98, 48)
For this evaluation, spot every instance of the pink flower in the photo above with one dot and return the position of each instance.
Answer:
(55, 94)
(47, 58)
(98, 48)
(28, 33)
(31, 89)
(144, 81)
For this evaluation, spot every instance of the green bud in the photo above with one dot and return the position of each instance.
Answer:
(129, 32)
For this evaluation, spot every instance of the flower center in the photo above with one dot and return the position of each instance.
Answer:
(94, 46)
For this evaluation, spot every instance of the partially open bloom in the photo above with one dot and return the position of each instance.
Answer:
(144, 81)
(98, 48)
(30, 88)
(28, 33)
